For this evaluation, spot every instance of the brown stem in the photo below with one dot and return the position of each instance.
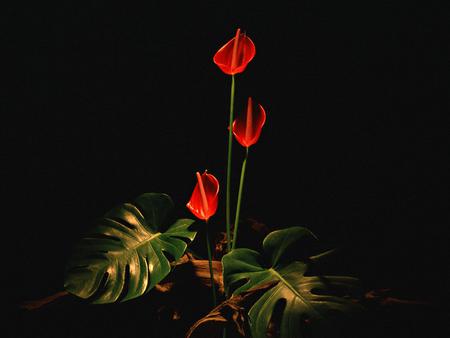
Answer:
(381, 297)
(36, 304)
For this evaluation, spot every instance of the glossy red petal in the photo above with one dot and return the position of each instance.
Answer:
(248, 130)
(244, 54)
(239, 130)
(211, 186)
(259, 118)
(195, 204)
(211, 189)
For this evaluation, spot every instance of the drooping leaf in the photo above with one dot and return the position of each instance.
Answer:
(124, 255)
(229, 314)
(297, 299)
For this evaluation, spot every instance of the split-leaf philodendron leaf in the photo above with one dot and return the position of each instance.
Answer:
(305, 298)
(123, 256)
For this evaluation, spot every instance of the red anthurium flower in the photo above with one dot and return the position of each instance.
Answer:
(205, 197)
(234, 56)
(247, 127)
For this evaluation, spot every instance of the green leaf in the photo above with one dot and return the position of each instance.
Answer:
(123, 256)
(307, 298)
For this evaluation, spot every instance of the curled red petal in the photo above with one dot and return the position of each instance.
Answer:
(211, 190)
(195, 203)
(211, 185)
(233, 62)
(248, 130)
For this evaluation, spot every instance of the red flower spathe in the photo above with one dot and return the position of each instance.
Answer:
(247, 127)
(234, 56)
(205, 197)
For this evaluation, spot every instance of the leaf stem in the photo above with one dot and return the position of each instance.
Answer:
(238, 207)
(211, 272)
(230, 144)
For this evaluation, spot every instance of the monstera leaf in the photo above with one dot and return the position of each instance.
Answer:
(124, 255)
(299, 299)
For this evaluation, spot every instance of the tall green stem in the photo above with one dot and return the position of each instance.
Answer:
(238, 207)
(230, 144)
(211, 272)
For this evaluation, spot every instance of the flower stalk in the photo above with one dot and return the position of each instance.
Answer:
(230, 145)
(211, 271)
(238, 206)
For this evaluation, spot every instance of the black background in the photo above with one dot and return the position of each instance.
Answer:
(102, 102)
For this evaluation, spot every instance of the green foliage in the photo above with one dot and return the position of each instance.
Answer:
(301, 299)
(123, 256)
